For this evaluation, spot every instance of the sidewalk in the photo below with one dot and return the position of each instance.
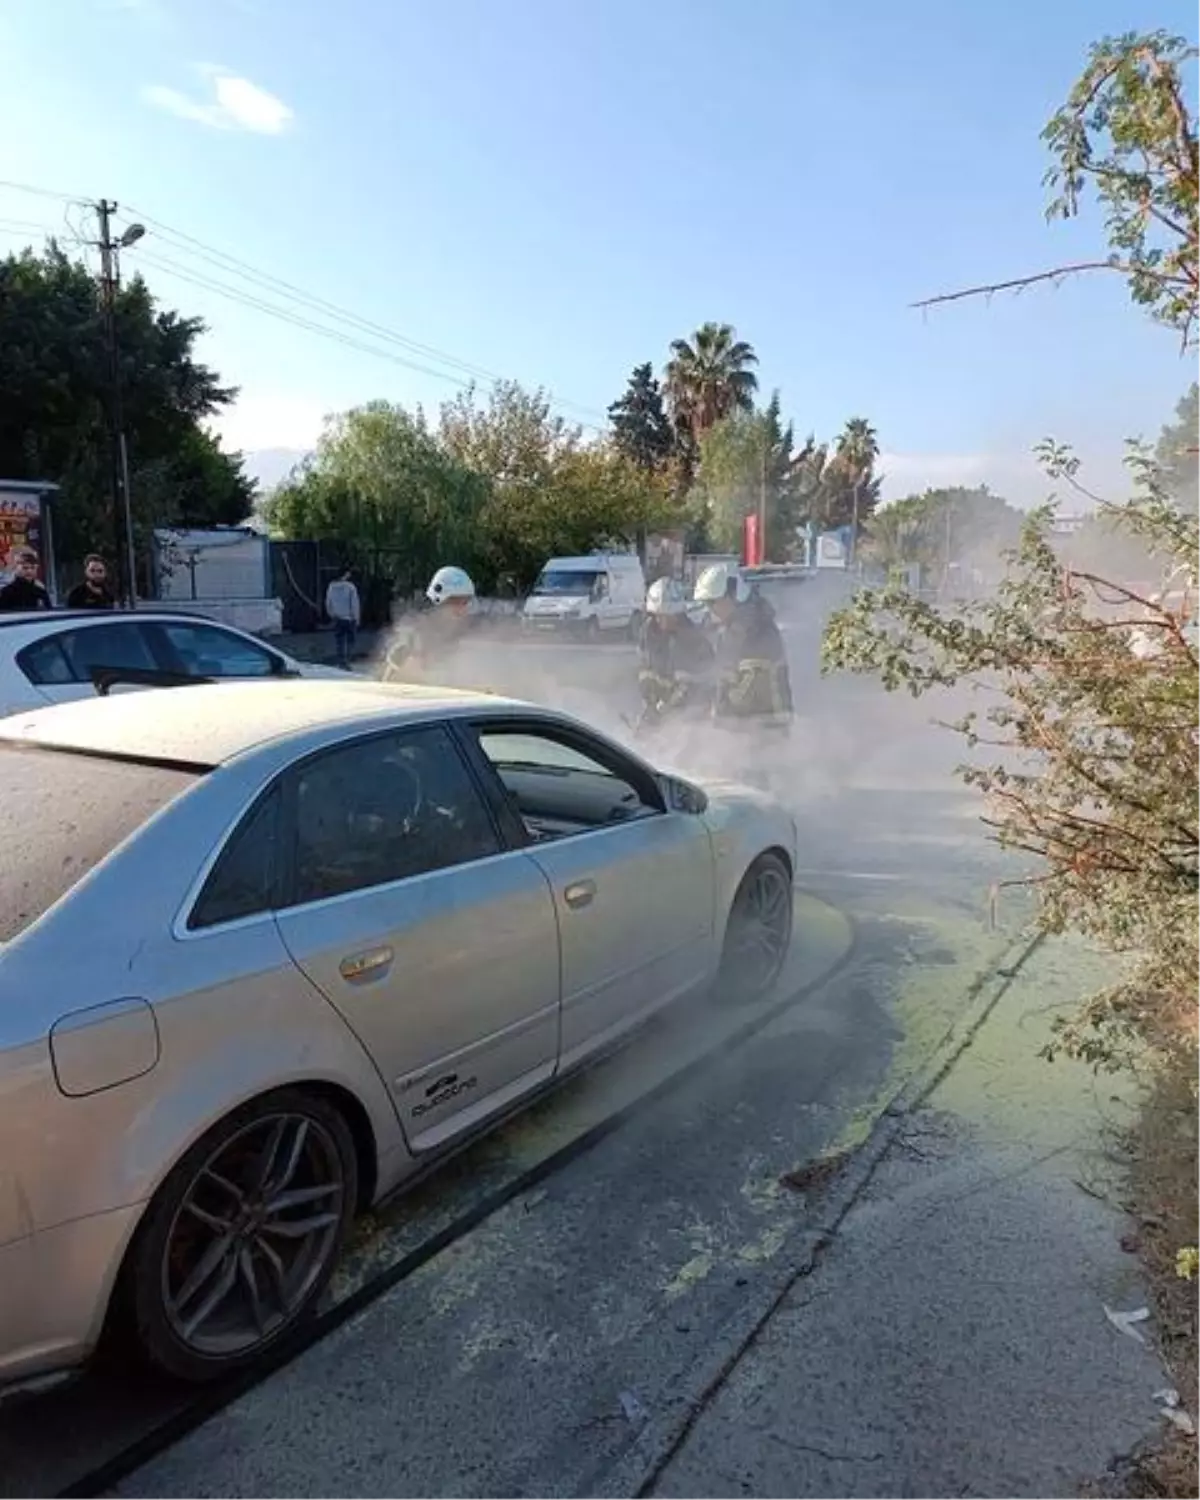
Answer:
(953, 1340)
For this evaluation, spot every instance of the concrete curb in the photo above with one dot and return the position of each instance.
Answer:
(635, 1473)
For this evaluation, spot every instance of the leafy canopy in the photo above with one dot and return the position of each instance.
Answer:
(500, 484)
(943, 527)
(1095, 768)
(1093, 678)
(382, 486)
(53, 392)
(641, 430)
(708, 377)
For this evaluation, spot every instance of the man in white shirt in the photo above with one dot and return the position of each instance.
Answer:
(343, 608)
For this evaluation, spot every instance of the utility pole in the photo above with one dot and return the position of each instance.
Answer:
(122, 517)
(853, 557)
(762, 503)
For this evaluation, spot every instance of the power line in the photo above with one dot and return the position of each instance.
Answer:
(305, 301)
(41, 192)
(264, 279)
(287, 315)
(189, 244)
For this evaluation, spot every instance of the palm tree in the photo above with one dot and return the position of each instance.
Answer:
(858, 447)
(709, 377)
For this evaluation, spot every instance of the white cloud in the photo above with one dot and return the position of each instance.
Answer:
(237, 104)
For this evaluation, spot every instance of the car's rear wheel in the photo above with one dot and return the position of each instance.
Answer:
(242, 1238)
(759, 931)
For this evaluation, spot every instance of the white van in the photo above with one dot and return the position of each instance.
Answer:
(605, 592)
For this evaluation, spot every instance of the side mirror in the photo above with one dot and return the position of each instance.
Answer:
(682, 796)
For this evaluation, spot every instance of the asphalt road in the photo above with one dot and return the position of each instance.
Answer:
(523, 1357)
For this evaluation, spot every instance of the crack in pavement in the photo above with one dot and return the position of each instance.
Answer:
(834, 1458)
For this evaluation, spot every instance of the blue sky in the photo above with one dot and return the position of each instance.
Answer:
(555, 190)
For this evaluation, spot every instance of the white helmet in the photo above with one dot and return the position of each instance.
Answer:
(665, 597)
(450, 583)
(721, 581)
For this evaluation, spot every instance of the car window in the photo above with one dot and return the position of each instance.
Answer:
(61, 814)
(558, 788)
(71, 655)
(208, 651)
(386, 809)
(243, 881)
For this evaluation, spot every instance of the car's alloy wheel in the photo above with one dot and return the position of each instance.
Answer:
(759, 933)
(244, 1235)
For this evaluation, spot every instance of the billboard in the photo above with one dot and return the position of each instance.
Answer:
(20, 528)
(833, 548)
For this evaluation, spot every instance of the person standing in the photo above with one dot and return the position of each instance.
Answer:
(25, 591)
(344, 609)
(93, 592)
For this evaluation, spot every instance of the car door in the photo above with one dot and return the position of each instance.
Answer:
(195, 648)
(633, 882)
(60, 663)
(436, 942)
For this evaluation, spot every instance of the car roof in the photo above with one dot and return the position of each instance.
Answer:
(207, 724)
(50, 618)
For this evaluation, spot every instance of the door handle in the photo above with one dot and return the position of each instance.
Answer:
(359, 965)
(582, 893)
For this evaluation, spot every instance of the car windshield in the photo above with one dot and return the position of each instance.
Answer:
(61, 814)
(566, 581)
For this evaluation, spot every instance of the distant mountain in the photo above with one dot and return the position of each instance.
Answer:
(268, 466)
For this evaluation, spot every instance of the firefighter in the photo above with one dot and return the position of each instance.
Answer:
(450, 595)
(753, 689)
(675, 658)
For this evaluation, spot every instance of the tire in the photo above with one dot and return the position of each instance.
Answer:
(591, 631)
(749, 965)
(275, 1276)
(635, 626)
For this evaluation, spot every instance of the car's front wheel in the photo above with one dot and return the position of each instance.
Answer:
(759, 931)
(242, 1237)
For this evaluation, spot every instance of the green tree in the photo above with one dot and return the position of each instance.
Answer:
(382, 487)
(1127, 133)
(948, 532)
(709, 377)
(747, 465)
(548, 492)
(1094, 720)
(1176, 452)
(53, 392)
(858, 446)
(825, 483)
(641, 429)
(1095, 768)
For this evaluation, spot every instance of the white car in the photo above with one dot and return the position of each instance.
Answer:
(56, 656)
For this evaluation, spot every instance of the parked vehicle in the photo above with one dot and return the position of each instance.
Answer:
(55, 657)
(588, 595)
(269, 949)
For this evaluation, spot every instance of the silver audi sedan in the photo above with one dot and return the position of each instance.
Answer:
(269, 948)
